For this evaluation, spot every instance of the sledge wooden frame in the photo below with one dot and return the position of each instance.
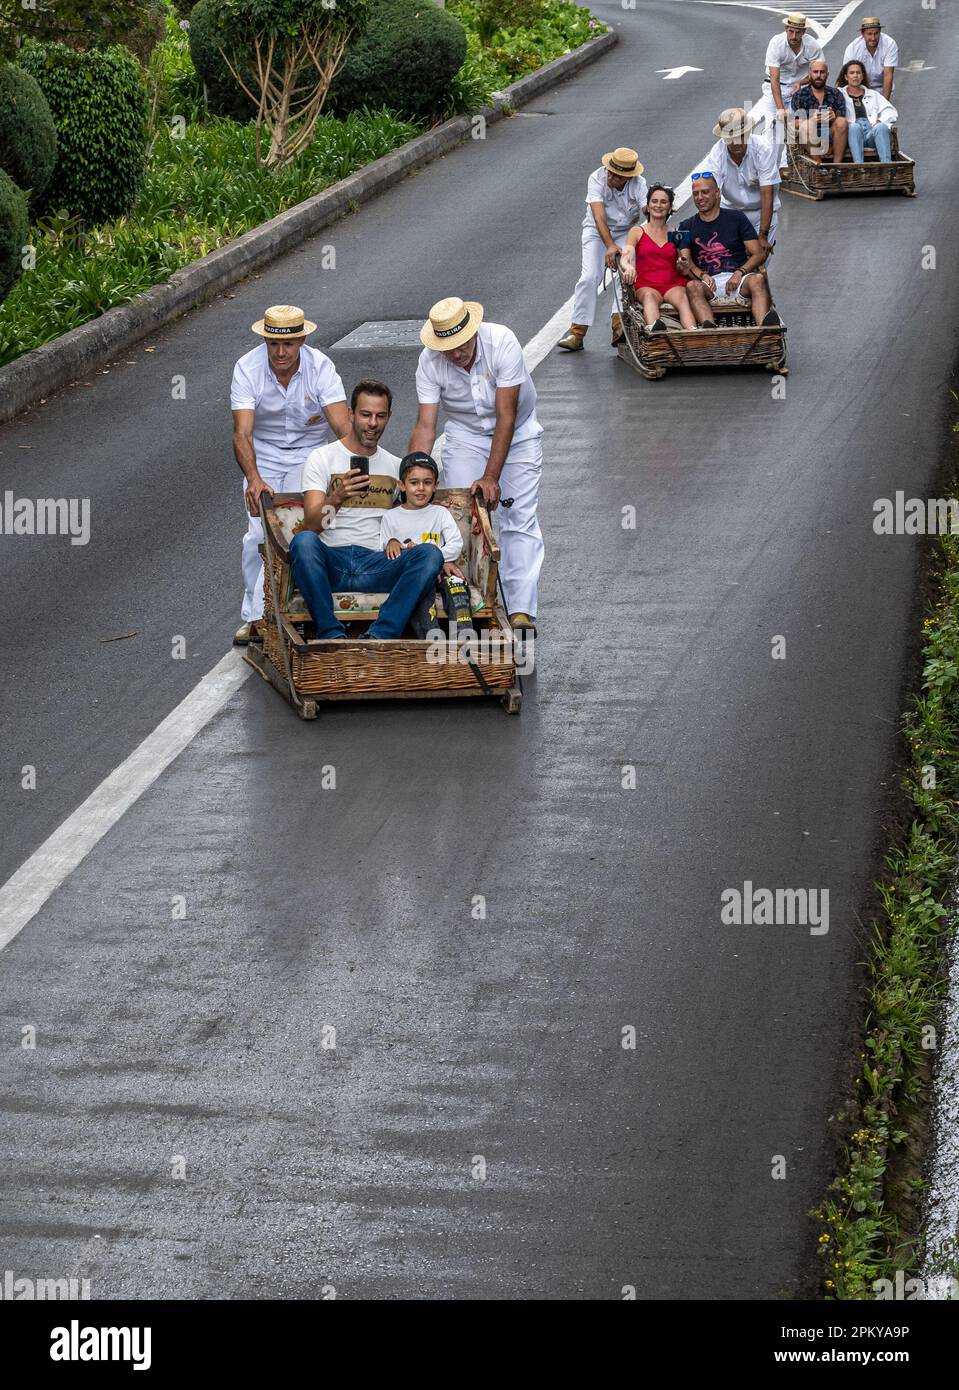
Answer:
(736, 342)
(805, 178)
(308, 672)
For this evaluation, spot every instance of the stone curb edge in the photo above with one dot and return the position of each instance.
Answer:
(37, 374)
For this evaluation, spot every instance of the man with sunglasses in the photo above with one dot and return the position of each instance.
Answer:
(723, 255)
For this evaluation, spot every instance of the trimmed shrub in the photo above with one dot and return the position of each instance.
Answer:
(406, 60)
(28, 136)
(143, 36)
(98, 102)
(14, 233)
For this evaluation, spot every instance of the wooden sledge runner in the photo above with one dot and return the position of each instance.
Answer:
(736, 342)
(309, 673)
(807, 179)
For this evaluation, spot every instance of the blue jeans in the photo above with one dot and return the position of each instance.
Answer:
(877, 137)
(319, 570)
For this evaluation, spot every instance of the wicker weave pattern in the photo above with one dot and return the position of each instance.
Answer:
(809, 179)
(395, 668)
(741, 345)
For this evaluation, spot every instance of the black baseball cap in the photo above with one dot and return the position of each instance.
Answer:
(418, 460)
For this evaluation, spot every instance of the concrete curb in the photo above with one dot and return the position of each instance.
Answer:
(39, 373)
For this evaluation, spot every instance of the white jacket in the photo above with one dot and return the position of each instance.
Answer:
(877, 107)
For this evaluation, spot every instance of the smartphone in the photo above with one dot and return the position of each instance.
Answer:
(363, 464)
(680, 237)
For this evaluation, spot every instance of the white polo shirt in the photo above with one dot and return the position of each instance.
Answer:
(469, 398)
(793, 67)
(623, 206)
(885, 56)
(739, 184)
(282, 432)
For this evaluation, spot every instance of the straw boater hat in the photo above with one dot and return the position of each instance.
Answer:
(873, 23)
(283, 321)
(734, 124)
(624, 162)
(796, 21)
(451, 323)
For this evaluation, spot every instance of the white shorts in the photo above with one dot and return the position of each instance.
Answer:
(720, 283)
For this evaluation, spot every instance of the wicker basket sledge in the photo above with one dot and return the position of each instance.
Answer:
(736, 342)
(807, 179)
(308, 672)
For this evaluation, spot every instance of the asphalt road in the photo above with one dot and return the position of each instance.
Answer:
(458, 1040)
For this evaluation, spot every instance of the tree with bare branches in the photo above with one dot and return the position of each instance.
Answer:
(284, 54)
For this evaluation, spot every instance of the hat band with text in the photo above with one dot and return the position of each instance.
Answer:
(285, 332)
(450, 332)
(621, 168)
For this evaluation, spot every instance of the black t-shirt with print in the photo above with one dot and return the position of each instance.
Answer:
(717, 246)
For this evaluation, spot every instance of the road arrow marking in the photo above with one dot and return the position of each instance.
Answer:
(673, 73)
(917, 65)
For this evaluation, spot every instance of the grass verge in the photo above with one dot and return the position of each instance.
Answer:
(870, 1216)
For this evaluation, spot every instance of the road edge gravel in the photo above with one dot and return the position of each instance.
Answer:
(44, 370)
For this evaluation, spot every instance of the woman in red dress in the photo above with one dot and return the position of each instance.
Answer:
(649, 261)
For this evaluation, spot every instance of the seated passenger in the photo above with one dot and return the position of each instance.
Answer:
(822, 123)
(869, 114)
(723, 254)
(343, 506)
(649, 261)
(418, 520)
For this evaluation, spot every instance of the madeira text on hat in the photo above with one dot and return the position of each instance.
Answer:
(452, 322)
(624, 162)
(872, 23)
(283, 321)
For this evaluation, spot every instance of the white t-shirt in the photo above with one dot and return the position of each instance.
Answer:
(623, 206)
(357, 522)
(739, 184)
(419, 524)
(885, 56)
(469, 398)
(282, 432)
(793, 67)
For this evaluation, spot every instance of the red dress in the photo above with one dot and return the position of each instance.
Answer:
(656, 266)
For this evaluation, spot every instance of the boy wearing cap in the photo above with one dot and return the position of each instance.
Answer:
(878, 53)
(615, 202)
(747, 172)
(287, 399)
(477, 372)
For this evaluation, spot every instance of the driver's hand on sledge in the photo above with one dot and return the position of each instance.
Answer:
(253, 491)
(393, 549)
(488, 488)
(612, 256)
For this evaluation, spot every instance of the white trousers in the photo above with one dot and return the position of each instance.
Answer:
(280, 480)
(520, 539)
(591, 275)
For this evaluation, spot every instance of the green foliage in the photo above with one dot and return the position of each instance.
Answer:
(173, 85)
(98, 102)
(198, 193)
(223, 96)
(81, 23)
(14, 232)
(490, 15)
(500, 55)
(147, 31)
(28, 137)
(406, 60)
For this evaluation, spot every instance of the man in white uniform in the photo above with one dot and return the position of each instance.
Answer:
(878, 52)
(476, 371)
(787, 67)
(286, 399)
(747, 172)
(615, 201)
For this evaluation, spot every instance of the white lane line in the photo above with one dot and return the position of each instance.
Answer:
(824, 31)
(26, 891)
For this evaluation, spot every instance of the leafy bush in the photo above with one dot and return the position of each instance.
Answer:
(406, 60)
(28, 137)
(173, 84)
(80, 23)
(223, 96)
(14, 233)
(147, 30)
(98, 102)
(498, 56)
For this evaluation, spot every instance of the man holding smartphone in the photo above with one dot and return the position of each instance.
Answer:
(348, 486)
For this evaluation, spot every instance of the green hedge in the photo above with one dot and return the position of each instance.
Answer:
(98, 102)
(406, 60)
(14, 233)
(224, 97)
(28, 136)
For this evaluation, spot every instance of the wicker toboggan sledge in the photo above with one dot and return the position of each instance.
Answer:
(809, 179)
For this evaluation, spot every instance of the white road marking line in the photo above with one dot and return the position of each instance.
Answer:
(824, 31)
(26, 891)
(674, 74)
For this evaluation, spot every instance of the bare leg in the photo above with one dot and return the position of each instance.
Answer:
(698, 302)
(756, 290)
(840, 138)
(650, 300)
(680, 301)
